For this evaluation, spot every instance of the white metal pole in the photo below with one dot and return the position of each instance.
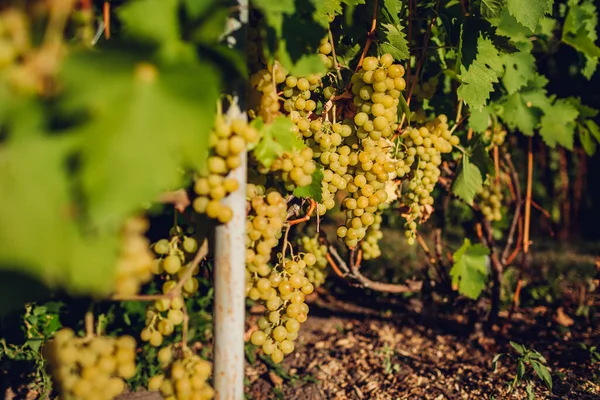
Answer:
(230, 260)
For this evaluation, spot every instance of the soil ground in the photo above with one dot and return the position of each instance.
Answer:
(352, 351)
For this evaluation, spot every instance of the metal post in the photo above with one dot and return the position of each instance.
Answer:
(230, 259)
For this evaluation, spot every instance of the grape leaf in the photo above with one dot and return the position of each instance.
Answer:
(491, 8)
(42, 239)
(152, 20)
(587, 141)
(479, 120)
(325, 10)
(468, 182)
(529, 12)
(508, 26)
(307, 65)
(558, 124)
(518, 115)
(519, 69)
(391, 11)
(146, 123)
(478, 80)
(593, 128)
(469, 272)
(394, 42)
(523, 109)
(579, 32)
(277, 138)
(481, 157)
(314, 190)
(274, 12)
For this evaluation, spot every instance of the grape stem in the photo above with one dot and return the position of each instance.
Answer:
(363, 281)
(335, 62)
(185, 327)
(370, 36)
(89, 323)
(179, 199)
(313, 205)
(421, 61)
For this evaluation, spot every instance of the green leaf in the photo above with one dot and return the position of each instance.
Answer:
(479, 120)
(558, 124)
(144, 122)
(519, 69)
(391, 11)
(152, 20)
(518, 347)
(579, 32)
(325, 10)
(481, 158)
(491, 8)
(274, 12)
(587, 142)
(468, 182)
(314, 190)
(277, 138)
(394, 42)
(543, 373)
(478, 80)
(196, 8)
(593, 128)
(42, 240)
(520, 370)
(529, 12)
(496, 359)
(469, 271)
(523, 110)
(508, 26)
(403, 108)
(307, 65)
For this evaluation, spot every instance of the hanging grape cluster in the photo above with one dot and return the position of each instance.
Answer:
(134, 265)
(283, 292)
(165, 314)
(490, 199)
(316, 273)
(370, 246)
(90, 368)
(419, 159)
(227, 142)
(495, 136)
(184, 375)
(263, 230)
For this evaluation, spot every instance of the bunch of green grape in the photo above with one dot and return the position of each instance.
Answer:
(90, 368)
(184, 375)
(283, 294)
(316, 273)
(376, 87)
(370, 246)
(134, 264)
(164, 315)
(490, 199)
(419, 158)
(425, 90)
(227, 142)
(495, 136)
(263, 97)
(264, 226)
